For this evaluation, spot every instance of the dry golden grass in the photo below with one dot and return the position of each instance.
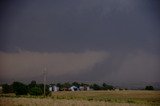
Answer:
(87, 98)
(52, 102)
(129, 96)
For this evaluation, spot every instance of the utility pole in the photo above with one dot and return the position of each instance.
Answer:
(44, 81)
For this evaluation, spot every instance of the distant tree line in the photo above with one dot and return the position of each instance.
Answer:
(33, 88)
(20, 88)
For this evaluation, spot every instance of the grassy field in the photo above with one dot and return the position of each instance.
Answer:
(87, 98)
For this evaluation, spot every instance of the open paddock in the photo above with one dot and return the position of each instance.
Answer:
(87, 98)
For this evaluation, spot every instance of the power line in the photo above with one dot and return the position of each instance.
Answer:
(44, 81)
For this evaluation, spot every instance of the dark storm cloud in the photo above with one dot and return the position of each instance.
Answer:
(57, 26)
(118, 27)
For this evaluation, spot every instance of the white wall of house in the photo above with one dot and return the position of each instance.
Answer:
(50, 89)
(55, 88)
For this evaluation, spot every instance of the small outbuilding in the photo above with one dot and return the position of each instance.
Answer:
(74, 88)
(53, 88)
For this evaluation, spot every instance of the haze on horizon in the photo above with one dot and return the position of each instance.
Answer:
(115, 41)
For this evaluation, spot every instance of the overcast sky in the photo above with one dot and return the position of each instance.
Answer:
(116, 41)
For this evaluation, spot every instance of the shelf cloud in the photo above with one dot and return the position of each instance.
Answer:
(27, 64)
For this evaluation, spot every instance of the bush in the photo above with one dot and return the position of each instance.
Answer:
(36, 91)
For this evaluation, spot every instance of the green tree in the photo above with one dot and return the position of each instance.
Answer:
(76, 84)
(66, 85)
(20, 88)
(7, 88)
(60, 86)
(96, 87)
(149, 88)
(41, 86)
(36, 91)
(107, 87)
(32, 84)
(84, 84)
